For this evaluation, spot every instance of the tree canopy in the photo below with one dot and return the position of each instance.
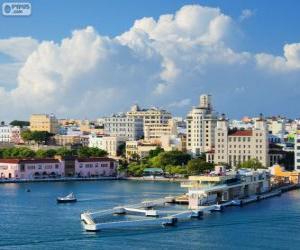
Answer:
(173, 158)
(20, 123)
(252, 163)
(41, 137)
(198, 166)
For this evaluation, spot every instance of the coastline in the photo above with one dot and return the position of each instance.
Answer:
(155, 179)
(70, 179)
(67, 179)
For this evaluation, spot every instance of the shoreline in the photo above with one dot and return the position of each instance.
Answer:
(70, 179)
(155, 179)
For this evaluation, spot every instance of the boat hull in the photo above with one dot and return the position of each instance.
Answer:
(66, 201)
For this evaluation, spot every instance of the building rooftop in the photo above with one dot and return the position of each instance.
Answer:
(241, 133)
(29, 161)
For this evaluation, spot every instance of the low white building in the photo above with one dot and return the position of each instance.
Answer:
(110, 144)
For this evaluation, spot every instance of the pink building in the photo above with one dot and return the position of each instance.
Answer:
(31, 168)
(47, 168)
(97, 166)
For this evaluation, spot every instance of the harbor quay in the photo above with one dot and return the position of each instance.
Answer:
(205, 194)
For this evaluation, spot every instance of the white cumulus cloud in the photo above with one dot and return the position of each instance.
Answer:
(155, 62)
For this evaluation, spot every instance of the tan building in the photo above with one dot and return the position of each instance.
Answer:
(67, 140)
(236, 146)
(44, 122)
(140, 148)
(152, 116)
(155, 131)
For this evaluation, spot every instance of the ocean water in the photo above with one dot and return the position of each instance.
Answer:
(33, 220)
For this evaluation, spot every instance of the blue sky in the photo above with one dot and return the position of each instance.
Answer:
(245, 68)
(275, 22)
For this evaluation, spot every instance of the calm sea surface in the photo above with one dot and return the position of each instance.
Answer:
(33, 220)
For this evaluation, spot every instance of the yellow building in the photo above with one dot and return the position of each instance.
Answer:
(44, 122)
(280, 176)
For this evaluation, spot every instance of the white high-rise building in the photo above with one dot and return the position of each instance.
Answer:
(201, 124)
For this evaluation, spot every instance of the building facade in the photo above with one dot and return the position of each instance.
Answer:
(110, 144)
(297, 150)
(236, 146)
(201, 124)
(44, 122)
(124, 126)
(55, 168)
(150, 116)
(155, 131)
(95, 167)
(10, 134)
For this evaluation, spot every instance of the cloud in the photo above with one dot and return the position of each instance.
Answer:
(19, 48)
(246, 14)
(155, 62)
(290, 61)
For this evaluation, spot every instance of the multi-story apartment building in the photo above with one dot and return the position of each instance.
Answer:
(201, 124)
(155, 131)
(10, 134)
(236, 146)
(124, 126)
(44, 122)
(110, 144)
(150, 116)
(297, 150)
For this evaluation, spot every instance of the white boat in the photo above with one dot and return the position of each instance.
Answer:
(67, 199)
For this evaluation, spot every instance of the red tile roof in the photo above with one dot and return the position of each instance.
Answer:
(242, 133)
(29, 161)
(94, 159)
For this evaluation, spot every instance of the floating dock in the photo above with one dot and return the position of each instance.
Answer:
(161, 212)
(145, 212)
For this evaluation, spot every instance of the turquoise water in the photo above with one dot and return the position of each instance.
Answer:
(33, 220)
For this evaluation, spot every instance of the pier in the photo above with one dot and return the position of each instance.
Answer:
(147, 215)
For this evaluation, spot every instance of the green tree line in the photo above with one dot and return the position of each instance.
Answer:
(24, 152)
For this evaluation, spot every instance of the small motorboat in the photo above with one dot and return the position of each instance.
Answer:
(67, 199)
(28, 190)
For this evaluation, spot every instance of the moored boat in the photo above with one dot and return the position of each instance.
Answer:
(67, 199)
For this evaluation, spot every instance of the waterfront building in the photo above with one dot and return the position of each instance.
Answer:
(44, 122)
(297, 150)
(280, 176)
(236, 146)
(110, 144)
(150, 116)
(124, 126)
(201, 124)
(220, 186)
(59, 167)
(95, 167)
(30, 168)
